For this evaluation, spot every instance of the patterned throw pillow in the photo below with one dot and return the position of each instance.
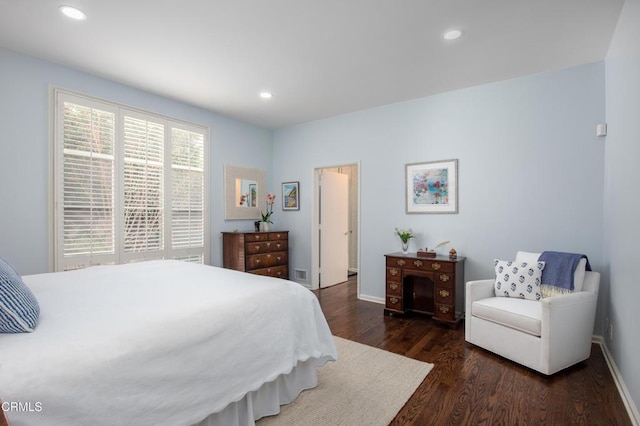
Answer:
(518, 279)
(19, 309)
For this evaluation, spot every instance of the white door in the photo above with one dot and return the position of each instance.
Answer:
(334, 228)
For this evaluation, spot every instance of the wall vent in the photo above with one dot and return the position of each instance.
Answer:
(300, 275)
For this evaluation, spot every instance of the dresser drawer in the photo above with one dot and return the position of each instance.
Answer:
(278, 245)
(256, 261)
(275, 271)
(252, 237)
(257, 247)
(266, 246)
(274, 236)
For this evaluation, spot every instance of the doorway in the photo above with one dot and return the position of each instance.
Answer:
(347, 264)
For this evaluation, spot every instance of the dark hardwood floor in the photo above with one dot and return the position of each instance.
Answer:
(469, 385)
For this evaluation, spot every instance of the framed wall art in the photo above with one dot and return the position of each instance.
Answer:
(291, 196)
(253, 194)
(432, 187)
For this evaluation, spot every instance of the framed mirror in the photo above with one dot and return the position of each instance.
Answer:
(244, 192)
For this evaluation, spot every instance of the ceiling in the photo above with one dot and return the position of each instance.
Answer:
(319, 58)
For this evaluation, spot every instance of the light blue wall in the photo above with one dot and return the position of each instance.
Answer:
(530, 171)
(24, 151)
(622, 196)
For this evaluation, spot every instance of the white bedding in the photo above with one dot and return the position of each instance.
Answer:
(159, 342)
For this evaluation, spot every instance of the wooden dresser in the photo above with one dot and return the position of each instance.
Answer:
(430, 286)
(262, 253)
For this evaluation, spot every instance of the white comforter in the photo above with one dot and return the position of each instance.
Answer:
(159, 342)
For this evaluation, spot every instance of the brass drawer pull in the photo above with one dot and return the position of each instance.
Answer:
(279, 258)
(393, 286)
(436, 266)
(444, 278)
(257, 237)
(401, 262)
(257, 261)
(257, 246)
(278, 245)
(279, 273)
(418, 263)
(394, 300)
(268, 244)
(278, 236)
(444, 293)
(444, 309)
(393, 272)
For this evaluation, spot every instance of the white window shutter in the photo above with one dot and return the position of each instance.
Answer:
(129, 185)
(86, 206)
(143, 181)
(187, 190)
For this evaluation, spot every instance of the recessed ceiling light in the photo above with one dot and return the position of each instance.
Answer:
(266, 95)
(452, 34)
(73, 13)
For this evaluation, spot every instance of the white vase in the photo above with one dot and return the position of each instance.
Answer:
(265, 226)
(405, 247)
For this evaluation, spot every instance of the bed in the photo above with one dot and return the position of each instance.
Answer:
(162, 342)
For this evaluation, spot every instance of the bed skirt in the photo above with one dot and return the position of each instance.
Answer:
(266, 401)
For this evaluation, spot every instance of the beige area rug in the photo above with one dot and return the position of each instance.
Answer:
(366, 386)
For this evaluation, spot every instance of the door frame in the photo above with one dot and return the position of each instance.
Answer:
(315, 219)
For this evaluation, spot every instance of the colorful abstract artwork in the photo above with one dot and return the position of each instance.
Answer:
(432, 187)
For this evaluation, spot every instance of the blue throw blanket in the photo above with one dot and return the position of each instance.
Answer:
(559, 268)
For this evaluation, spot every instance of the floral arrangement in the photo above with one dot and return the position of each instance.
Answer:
(404, 234)
(266, 217)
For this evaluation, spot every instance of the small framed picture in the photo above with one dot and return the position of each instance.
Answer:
(291, 196)
(252, 195)
(432, 187)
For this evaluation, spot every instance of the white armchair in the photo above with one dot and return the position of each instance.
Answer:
(547, 335)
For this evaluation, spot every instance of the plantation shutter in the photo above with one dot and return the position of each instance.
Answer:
(143, 187)
(128, 185)
(187, 193)
(87, 175)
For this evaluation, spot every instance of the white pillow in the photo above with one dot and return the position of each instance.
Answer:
(578, 275)
(518, 279)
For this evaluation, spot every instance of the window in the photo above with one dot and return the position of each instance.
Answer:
(128, 185)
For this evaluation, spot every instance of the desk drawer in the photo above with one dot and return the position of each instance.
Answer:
(394, 274)
(395, 303)
(431, 265)
(444, 295)
(394, 288)
(445, 312)
(445, 279)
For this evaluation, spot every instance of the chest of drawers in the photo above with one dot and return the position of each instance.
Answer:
(430, 286)
(262, 253)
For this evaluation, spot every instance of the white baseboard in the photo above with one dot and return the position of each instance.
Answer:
(373, 299)
(632, 410)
